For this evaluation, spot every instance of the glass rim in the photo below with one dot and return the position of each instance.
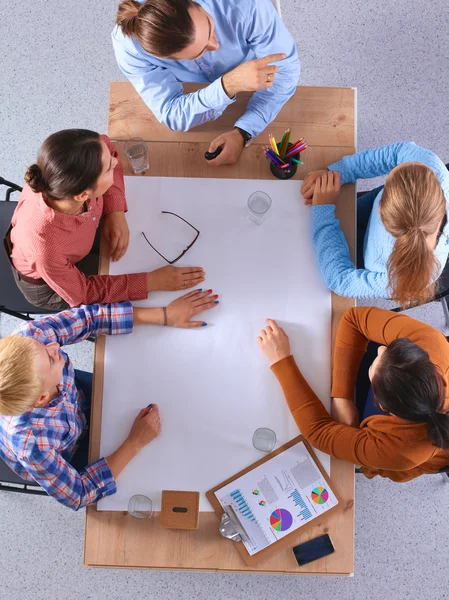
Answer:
(266, 196)
(131, 142)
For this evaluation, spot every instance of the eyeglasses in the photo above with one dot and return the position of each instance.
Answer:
(172, 262)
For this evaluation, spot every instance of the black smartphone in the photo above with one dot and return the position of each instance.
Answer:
(314, 549)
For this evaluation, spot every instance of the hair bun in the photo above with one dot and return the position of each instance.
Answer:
(127, 13)
(35, 179)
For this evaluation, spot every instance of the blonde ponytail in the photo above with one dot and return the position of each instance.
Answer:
(412, 208)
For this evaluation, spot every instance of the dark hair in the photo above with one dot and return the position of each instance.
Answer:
(68, 163)
(162, 27)
(408, 385)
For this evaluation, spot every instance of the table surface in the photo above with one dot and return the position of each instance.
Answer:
(325, 117)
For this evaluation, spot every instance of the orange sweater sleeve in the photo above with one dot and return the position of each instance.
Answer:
(373, 448)
(362, 324)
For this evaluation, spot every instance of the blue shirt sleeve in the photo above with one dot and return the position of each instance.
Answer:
(374, 162)
(267, 34)
(77, 324)
(164, 94)
(337, 268)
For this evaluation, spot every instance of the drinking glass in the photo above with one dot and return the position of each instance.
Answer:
(140, 507)
(259, 204)
(264, 439)
(137, 153)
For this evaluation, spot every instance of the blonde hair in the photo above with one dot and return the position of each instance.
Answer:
(411, 208)
(21, 383)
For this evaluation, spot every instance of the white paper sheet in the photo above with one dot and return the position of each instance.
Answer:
(278, 497)
(213, 385)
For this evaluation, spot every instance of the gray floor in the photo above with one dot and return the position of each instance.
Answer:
(56, 66)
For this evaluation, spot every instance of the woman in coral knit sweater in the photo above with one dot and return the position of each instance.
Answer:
(404, 431)
(76, 182)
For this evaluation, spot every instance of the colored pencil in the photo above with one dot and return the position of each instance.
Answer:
(273, 144)
(284, 143)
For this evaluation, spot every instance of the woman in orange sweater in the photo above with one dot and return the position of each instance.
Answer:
(408, 434)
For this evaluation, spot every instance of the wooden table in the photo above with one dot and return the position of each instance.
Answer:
(325, 118)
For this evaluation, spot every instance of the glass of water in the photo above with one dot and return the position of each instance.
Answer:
(259, 204)
(140, 507)
(264, 439)
(137, 152)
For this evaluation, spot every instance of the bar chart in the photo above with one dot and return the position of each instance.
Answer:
(298, 500)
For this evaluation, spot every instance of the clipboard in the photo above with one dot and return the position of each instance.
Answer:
(289, 538)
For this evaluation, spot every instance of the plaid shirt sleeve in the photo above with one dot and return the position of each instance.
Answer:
(114, 199)
(77, 324)
(61, 481)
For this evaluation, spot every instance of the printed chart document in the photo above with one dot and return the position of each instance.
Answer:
(277, 497)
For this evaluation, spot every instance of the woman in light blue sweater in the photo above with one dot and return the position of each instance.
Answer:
(403, 229)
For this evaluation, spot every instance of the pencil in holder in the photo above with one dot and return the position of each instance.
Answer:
(284, 173)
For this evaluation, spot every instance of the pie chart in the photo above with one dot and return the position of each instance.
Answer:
(320, 495)
(281, 519)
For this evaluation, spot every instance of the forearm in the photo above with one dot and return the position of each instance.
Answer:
(373, 162)
(119, 459)
(148, 316)
(105, 289)
(264, 105)
(336, 266)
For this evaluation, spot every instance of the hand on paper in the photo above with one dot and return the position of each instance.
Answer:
(174, 278)
(308, 186)
(252, 75)
(345, 411)
(327, 188)
(181, 310)
(146, 427)
(116, 233)
(274, 342)
(232, 144)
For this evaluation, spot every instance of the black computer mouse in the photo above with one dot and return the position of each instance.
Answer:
(212, 155)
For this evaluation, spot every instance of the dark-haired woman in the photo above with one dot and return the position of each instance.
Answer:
(76, 181)
(406, 433)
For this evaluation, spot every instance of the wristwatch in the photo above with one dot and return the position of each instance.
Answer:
(247, 137)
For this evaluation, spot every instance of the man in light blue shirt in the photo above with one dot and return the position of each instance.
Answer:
(230, 44)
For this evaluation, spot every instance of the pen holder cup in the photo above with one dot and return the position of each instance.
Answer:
(284, 173)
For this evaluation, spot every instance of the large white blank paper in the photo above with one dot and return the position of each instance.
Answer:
(213, 385)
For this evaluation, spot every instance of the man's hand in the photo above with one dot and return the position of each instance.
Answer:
(345, 411)
(232, 144)
(274, 342)
(327, 188)
(252, 75)
(174, 278)
(308, 186)
(116, 232)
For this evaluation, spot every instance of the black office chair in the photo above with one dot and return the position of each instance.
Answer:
(12, 301)
(10, 482)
